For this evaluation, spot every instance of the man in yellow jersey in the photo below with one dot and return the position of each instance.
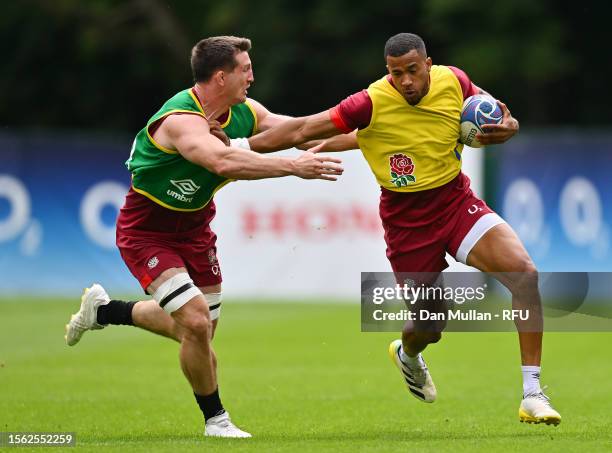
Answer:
(408, 130)
(163, 230)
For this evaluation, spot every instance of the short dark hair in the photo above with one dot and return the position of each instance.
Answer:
(215, 53)
(402, 43)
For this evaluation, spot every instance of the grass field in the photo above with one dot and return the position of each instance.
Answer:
(300, 377)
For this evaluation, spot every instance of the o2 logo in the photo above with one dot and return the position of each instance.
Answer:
(580, 215)
(98, 197)
(19, 221)
(18, 197)
(474, 209)
(580, 211)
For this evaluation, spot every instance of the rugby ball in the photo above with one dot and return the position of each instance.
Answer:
(478, 110)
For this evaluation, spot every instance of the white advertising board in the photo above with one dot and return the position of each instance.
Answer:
(291, 238)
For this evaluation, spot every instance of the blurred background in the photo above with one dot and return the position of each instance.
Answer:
(79, 79)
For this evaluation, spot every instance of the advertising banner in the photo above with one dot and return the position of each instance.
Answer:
(59, 199)
(555, 192)
(281, 238)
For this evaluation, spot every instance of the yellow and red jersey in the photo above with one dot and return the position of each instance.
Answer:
(409, 148)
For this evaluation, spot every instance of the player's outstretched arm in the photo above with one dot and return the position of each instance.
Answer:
(190, 136)
(267, 120)
(293, 132)
(342, 142)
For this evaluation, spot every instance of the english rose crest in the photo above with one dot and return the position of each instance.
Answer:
(402, 168)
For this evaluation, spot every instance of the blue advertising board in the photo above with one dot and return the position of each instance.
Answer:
(59, 199)
(556, 192)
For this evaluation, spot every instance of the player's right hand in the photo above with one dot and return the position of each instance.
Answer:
(315, 166)
(499, 133)
(217, 131)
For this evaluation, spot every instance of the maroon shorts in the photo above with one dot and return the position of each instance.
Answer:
(420, 227)
(152, 238)
(148, 256)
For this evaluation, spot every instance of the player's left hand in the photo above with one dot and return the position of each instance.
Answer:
(499, 133)
(217, 131)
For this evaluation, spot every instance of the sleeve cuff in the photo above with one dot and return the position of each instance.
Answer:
(334, 114)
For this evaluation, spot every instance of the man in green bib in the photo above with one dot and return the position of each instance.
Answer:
(178, 163)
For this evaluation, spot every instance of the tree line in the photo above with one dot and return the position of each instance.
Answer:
(109, 64)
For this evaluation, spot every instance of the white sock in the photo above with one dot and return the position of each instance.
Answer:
(410, 361)
(531, 379)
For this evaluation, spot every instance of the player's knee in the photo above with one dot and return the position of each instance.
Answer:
(525, 278)
(196, 325)
(525, 265)
(432, 337)
(422, 338)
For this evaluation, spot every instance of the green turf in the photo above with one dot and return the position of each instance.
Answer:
(300, 377)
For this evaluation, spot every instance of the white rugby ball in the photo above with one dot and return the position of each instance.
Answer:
(478, 110)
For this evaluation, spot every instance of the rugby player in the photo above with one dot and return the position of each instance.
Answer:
(163, 230)
(407, 126)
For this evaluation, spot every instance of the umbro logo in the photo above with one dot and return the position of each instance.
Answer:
(186, 186)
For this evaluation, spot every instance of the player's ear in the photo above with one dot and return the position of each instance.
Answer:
(428, 62)
(219, 78)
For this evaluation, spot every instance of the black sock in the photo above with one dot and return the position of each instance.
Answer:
(116, 312)
(210, 405)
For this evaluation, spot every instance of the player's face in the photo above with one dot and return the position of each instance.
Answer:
(240, 79)
(410, 74)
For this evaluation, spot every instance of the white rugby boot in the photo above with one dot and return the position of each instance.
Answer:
(85, 318)
(222, 426)
(536, 408)
(418, 380)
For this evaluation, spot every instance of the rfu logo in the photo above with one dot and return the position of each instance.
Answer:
(186, 186)
(212, 257)
(153, 262)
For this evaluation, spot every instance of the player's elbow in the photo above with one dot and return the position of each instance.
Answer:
(220, 164)
(300, 133)
(221, 168)
(307, 132)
